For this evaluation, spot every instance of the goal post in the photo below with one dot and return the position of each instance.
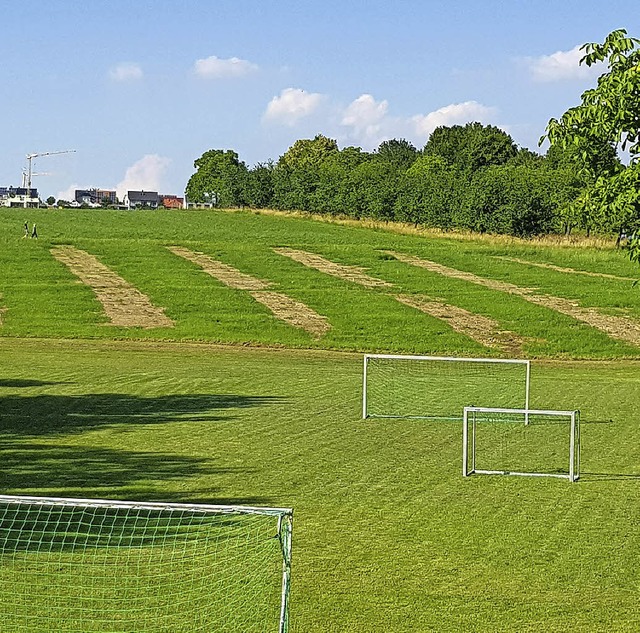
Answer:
(85, 565)
(439, 387)
(526, 442)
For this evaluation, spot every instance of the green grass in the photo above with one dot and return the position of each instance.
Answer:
(388, 536)
(41, 298)
(387, 533)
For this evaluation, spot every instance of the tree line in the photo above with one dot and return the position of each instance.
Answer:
(472, 177)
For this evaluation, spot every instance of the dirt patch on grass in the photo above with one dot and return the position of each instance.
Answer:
(228, 275)
(478, 327)
(618, 327)
(293, 312)
(285, 308)
(562, 269)
(124, 305)
(348, 273)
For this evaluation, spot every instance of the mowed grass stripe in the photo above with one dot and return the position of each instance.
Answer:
(293, 312)
(478, 327)
(618, 327)
(562, 269)
(124, 304)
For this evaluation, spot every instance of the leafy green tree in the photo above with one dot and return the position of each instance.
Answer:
(220, 178)
(297, 173)
(472, 146)
(51, 200)
(430, 193)
(259, 186)
(607, 116)
(399, 153)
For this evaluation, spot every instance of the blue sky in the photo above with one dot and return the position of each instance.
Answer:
(141, 88)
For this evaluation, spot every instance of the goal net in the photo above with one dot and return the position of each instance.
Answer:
(537, 443)
(77, 565)
(396, 386)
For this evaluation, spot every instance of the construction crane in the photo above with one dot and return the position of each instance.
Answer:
(30, 173)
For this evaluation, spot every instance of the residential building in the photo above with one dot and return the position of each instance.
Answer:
(95, 197)
(142, 199)
(169, 201)
(19, 197)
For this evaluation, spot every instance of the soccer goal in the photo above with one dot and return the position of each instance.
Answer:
(79, 565)
(527, 442)
(437, 387)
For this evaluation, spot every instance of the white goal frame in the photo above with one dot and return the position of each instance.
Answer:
(469, 441)
(402, 357)
(284, 518)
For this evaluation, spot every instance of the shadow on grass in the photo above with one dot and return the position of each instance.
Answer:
(19, 383)
(589, 477)
(43, 415)
(78, 471)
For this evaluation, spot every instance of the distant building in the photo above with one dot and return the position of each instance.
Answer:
(95, 197)
(142, 200)
(169, 201)
(19, 197)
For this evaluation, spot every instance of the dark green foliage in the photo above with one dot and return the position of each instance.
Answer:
(220, 178)
(471, 147)
(607, 119)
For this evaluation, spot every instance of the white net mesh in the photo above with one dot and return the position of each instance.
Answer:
(430, 387)
(544, 443)
(121, 568)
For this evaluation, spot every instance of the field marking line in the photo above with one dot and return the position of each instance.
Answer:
(282, 306)
(480, 328)
(562, 269)
(123, 304)
(617, 327)
(355, 274)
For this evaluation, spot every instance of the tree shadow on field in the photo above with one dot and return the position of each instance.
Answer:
(46, 415)
(88, 472)
(19, 383)
(35, 457)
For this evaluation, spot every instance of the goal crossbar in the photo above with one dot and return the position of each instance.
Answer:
(470, 416)
(443, 361)
(282, 516)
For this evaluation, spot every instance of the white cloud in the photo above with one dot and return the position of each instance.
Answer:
(68, 194)
(453, 114)
(127, 71)
(559, 66)
(144, 175)
(215, 68)
(292, 105)
(366, 117)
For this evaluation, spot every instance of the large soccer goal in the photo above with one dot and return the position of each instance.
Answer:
(79, 565)
(528, 442)
(437, 387)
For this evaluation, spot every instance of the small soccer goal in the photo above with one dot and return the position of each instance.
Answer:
(535, 443)
(80, 565)
(438, 387)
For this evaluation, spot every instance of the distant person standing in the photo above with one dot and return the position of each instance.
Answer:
(34, 233)
(26, 229)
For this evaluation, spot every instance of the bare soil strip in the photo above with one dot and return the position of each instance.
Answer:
(228, 275)
(283, 307)
(349, 273)
(124, 305)
(562, 269)
(293, 312)
(618, 327)
(478, 327)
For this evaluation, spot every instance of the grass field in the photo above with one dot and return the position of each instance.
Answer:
(388, 536)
